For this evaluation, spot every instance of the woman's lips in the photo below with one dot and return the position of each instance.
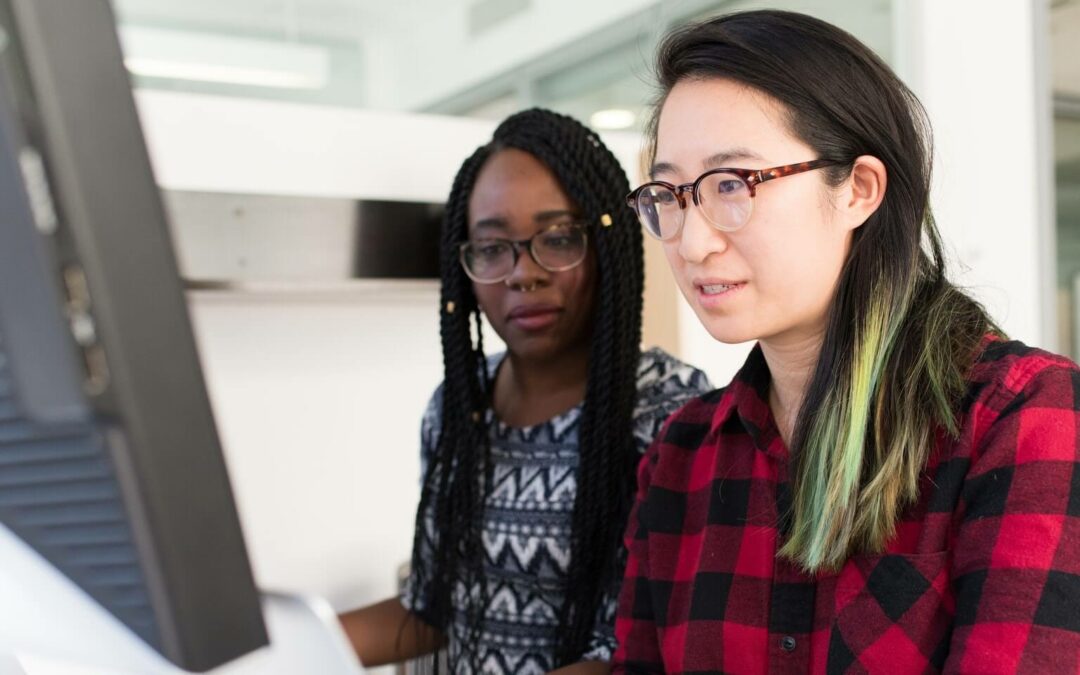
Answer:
(715, 292)
(534, 317)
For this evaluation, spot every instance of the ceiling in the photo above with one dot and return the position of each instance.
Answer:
(320, 21)
(380, 50)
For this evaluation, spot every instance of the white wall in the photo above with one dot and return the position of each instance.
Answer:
(981, 69)
(318, 399)
(216, 144)
(318, 393)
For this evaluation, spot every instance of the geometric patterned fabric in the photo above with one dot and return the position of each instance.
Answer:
(527, 520)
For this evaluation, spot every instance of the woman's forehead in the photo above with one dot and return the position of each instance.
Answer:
(514, 185)
(706, 123)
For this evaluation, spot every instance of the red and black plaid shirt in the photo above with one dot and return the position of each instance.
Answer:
(983, 574)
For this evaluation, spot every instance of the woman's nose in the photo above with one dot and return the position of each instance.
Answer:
(526, 273)
(698, 239)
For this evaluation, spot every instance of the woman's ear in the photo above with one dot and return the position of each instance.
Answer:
(865, 190)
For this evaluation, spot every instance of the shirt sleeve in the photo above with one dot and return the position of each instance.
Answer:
(414, 593)
(635, 624)
(1016, 567)
(664, 385)
(602, 644)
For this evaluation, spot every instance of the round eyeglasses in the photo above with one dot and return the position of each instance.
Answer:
(558, 248)
(725, 197)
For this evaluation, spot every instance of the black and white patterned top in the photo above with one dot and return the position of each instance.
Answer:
(527, 523)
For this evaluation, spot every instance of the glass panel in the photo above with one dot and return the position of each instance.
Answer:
(1065, 38)
(1067, 160)
(611, 89)
(290, 50)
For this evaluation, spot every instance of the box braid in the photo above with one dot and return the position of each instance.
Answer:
(459, 474)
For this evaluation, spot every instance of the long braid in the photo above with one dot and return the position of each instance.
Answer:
(450, 497)
(593, 179)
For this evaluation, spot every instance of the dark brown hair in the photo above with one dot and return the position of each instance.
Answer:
(900, 337)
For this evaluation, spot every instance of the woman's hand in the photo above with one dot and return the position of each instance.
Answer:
(386, 632)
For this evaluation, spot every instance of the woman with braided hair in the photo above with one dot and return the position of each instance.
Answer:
(529, 456)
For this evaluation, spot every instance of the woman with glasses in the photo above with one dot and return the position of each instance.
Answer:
(530, 455)
(888, 485)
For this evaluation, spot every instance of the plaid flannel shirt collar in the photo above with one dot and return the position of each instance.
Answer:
(747, 406)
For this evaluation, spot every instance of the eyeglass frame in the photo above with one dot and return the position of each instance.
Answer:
(750, 177)
(517, 244)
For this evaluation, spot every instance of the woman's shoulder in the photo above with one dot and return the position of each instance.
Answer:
(1006, 369)
(1014, 391)
(665, 384)
(434, 405)
(660, 374)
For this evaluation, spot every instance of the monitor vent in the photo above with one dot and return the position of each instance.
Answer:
(58, 492)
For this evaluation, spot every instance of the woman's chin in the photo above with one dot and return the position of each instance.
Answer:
(729, 332)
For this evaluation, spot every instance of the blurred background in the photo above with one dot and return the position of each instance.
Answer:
(303, 144)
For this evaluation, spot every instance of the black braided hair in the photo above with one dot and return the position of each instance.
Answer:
(458, 478)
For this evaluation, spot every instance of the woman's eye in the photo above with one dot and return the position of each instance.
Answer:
(492, 250)
(658, 197)
(727, 187)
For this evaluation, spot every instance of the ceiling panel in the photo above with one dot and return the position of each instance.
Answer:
(324, 21)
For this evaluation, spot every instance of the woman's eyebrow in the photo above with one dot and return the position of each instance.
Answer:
(490, 223)
(714, 161)
(661, 168)
(547, 216)
(542, 217)
(725, 157)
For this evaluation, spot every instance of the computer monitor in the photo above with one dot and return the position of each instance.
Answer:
(110, 464)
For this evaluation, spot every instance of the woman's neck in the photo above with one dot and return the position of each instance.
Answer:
(530, 391)
(791, 365)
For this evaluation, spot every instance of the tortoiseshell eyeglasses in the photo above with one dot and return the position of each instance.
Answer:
(725, 197)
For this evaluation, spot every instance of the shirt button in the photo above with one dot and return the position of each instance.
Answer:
(787, 643)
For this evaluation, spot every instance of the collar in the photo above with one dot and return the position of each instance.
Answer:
(744, 406)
